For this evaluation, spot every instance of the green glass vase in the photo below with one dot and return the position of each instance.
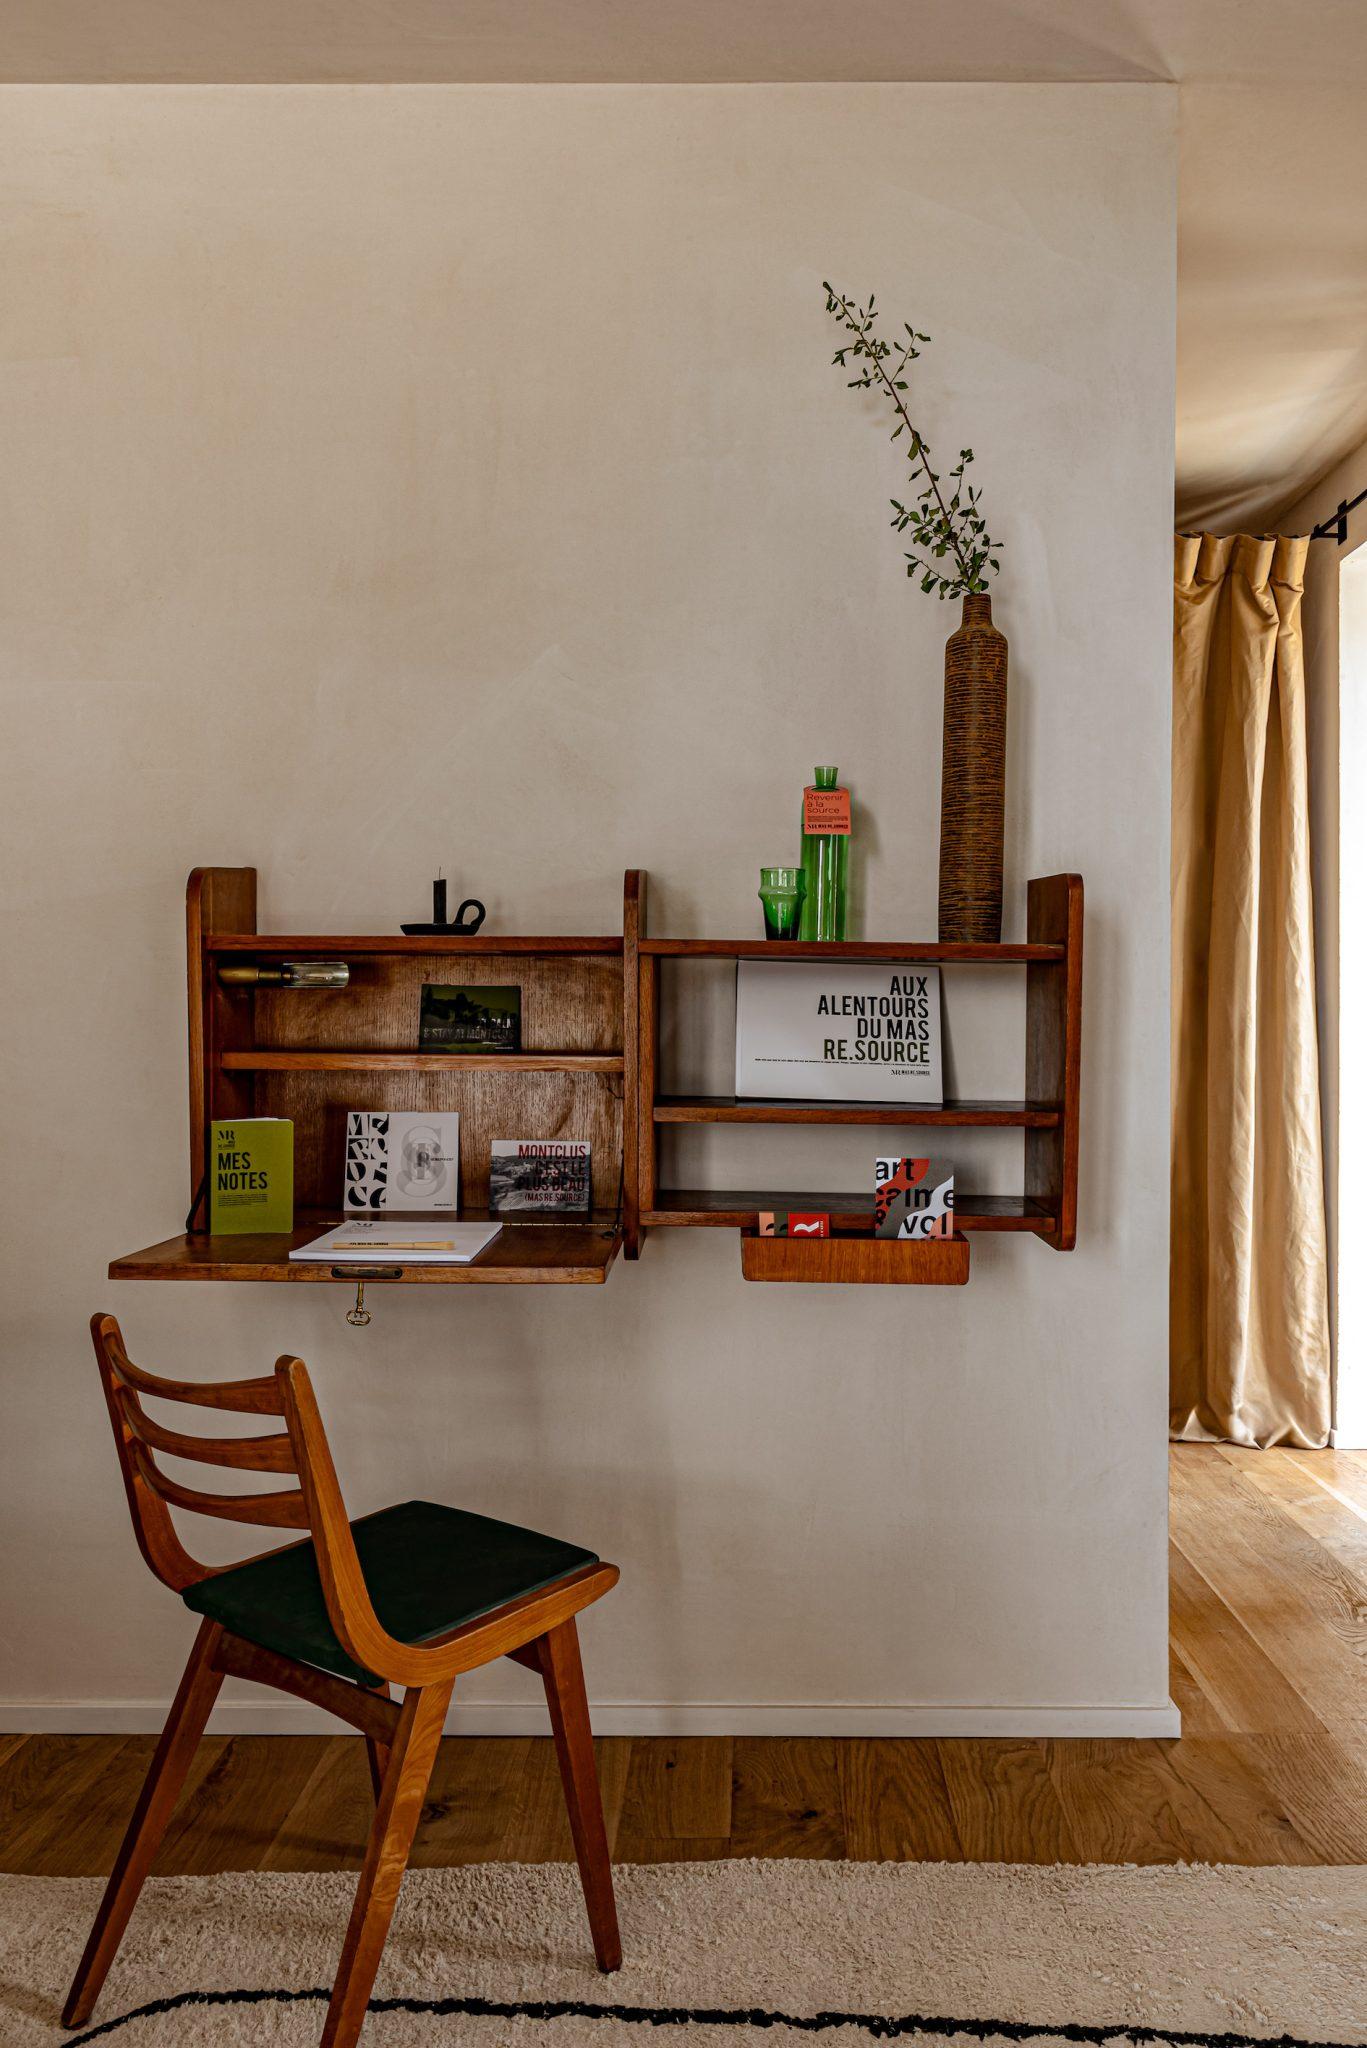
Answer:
(825, 856)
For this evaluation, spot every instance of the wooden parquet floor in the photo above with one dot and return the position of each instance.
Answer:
(1269, 1667)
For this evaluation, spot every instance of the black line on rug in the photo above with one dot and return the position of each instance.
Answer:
(881, 2025)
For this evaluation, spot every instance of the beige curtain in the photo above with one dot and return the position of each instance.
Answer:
(1249, 1320)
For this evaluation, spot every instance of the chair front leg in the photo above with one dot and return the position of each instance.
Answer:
(411, 1757)
(562, 1674)
(156, 1802)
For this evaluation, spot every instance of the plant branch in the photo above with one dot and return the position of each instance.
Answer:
(938, 526)
(918, 445)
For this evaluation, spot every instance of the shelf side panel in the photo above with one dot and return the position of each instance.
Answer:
(633, 920)
(1053, 1051)
(219, 1019)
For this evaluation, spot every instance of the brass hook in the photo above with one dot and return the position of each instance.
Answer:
(359, 1316)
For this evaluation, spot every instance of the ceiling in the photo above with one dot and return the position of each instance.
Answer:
(1272, 254)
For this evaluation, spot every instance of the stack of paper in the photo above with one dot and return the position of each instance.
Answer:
(382, 1241)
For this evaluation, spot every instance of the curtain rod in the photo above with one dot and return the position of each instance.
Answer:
(1335, 527)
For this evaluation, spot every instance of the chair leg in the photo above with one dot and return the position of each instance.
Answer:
(563, 1676)
(179, 1738)
(411, 1758)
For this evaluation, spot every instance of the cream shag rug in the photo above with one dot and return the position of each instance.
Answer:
(718, 1955)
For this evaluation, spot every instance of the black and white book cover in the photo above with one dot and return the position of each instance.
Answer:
(549, 1174)
(402, 1159)
(868, 1031)
(913, 1198)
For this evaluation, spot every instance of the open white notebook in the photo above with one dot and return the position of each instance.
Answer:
(385, 1241)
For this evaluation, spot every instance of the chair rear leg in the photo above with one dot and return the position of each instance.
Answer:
(562, 1674)
(411, 1757)
(156, 1802)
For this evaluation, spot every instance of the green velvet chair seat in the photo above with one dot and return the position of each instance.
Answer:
(428, 1569)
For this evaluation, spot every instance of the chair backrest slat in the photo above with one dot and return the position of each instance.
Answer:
(276, 1510)
(244, 1397)
(241, 1453)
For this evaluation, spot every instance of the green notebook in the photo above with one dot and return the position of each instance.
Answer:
(251, 1175)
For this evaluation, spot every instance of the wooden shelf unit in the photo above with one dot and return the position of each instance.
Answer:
(263, 1051)
(1047, 1206)
(591, 1008)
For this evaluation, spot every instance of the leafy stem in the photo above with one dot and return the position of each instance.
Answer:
(941, 527)
(894, 391)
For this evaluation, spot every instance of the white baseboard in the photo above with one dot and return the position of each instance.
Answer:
(528, 1717)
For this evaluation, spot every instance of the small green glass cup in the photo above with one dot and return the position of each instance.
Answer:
(781, 891)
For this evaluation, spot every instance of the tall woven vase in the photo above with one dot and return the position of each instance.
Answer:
(973, 778)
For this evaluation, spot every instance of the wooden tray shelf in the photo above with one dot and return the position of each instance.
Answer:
(740, 1209)
(732, 1109)
(856, 1261)
(324, 1060)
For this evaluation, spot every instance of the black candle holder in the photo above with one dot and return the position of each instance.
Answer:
(459, 926)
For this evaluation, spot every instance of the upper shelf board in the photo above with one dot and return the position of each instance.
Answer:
(745, 1109)
(329, 1060)
(848, 949)
(284, 945)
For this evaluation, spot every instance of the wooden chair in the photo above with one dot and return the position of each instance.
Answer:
(410, 1597)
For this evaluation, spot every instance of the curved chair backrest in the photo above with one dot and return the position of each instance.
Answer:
(313, 1505)
(152, 1492)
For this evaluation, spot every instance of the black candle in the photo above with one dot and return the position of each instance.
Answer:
(439, 901)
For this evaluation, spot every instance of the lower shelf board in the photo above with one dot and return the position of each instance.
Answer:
(740, 1208)
(564, 1253)
(857, 1261)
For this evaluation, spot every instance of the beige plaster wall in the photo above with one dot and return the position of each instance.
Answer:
(400, 477)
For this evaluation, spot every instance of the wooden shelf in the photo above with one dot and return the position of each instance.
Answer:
(739, 1209)
(324, 1060)
(1047, 1117)
(312, 1055)
(565, 1252)
(601, 991)
(280, 945)
(847, 950)
(733, 1109)
(856, 1261)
